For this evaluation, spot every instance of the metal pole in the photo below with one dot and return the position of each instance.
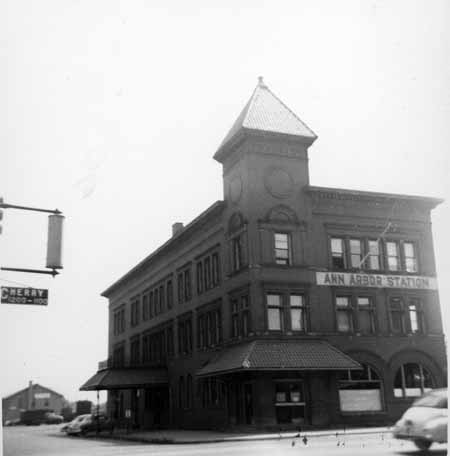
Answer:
(28, 208)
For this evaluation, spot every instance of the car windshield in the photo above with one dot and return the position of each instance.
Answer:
(432, 400)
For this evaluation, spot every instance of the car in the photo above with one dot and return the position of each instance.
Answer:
(89, 423)
(53, 418)
(14, 422)
(425, 421)
(73, 427)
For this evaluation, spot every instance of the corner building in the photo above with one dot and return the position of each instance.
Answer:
(286, 305)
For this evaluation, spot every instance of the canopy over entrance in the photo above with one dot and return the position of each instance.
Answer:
(125, 378)
(271, 355)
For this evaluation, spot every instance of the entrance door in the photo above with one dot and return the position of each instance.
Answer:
(135, 408)
(241, 410)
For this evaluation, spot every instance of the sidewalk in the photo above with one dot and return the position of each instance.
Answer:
(190, 437)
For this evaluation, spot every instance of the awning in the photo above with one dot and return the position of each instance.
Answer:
(274, 355)
(125, 378)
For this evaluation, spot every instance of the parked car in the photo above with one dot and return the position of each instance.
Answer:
(73, 427)
(425, 421)
(89, 423)
(53, 418)
(14, 422)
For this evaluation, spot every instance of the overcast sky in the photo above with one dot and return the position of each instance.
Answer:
(111, 111)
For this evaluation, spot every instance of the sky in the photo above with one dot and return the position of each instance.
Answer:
(112, 110)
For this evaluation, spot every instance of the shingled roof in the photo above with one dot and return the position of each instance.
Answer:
(265, 112)
(279, 355)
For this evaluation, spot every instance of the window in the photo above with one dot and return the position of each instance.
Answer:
(119, 356)
(397, 315)
(185, 336)
(356, 253)
(169, 294)
(344, 314)
(215, 270)
(393, 259)
(199, 278)
(337, 253)
(240, 316)
(360, 391)
(161, 299)
(365, 315)
(145, 312)
(135, 312)
(211, 392)
(119, 321)
(151, 305)
(209, 328)
(207, 266)
(297, 310)
(181, 393)
(415, 313)
(274, 312)
(409, 254)
(135, 351)
(156, 301)
(374, 255)
(290, 402)
(412, 380)
(282, 248)
(189, 390)
(169, 342)
(236, 246)
(180, 288)
(187, 285)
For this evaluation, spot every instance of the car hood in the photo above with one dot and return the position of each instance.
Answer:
(423, 414)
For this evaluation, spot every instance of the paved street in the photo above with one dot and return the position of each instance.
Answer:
(47, 441)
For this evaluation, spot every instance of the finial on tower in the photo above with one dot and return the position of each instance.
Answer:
(261, 82)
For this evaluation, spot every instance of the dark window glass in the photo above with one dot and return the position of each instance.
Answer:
(337, 253)
(169, 294)
(366, 319)
(199, 278)
(236, 253)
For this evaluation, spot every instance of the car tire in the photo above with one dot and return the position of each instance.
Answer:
(422, 444)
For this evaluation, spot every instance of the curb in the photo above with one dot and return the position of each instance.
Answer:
(249, 438)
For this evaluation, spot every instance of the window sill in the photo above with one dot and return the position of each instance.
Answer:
(364, 413)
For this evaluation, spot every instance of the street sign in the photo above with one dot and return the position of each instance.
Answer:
(34, 296)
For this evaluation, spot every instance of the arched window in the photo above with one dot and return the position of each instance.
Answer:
(412, 380)
(360, 390)
(181, 396)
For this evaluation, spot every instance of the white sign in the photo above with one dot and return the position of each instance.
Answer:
(348, 279)
(360, 400)
(42, 395)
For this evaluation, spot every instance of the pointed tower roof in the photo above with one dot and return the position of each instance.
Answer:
(265, 112)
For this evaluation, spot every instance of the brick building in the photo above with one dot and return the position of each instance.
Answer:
(284, 304)
(34, 397)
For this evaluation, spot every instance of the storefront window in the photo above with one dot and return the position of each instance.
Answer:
(360, 391)
(290, 402)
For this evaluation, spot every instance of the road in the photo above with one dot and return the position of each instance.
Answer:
(48, 441)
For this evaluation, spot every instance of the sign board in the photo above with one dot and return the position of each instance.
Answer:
(348, 279)
(35, 296)
(42, 395)
(368, 400)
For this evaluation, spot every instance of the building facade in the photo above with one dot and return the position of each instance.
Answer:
(34, 397)
(283, 305)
